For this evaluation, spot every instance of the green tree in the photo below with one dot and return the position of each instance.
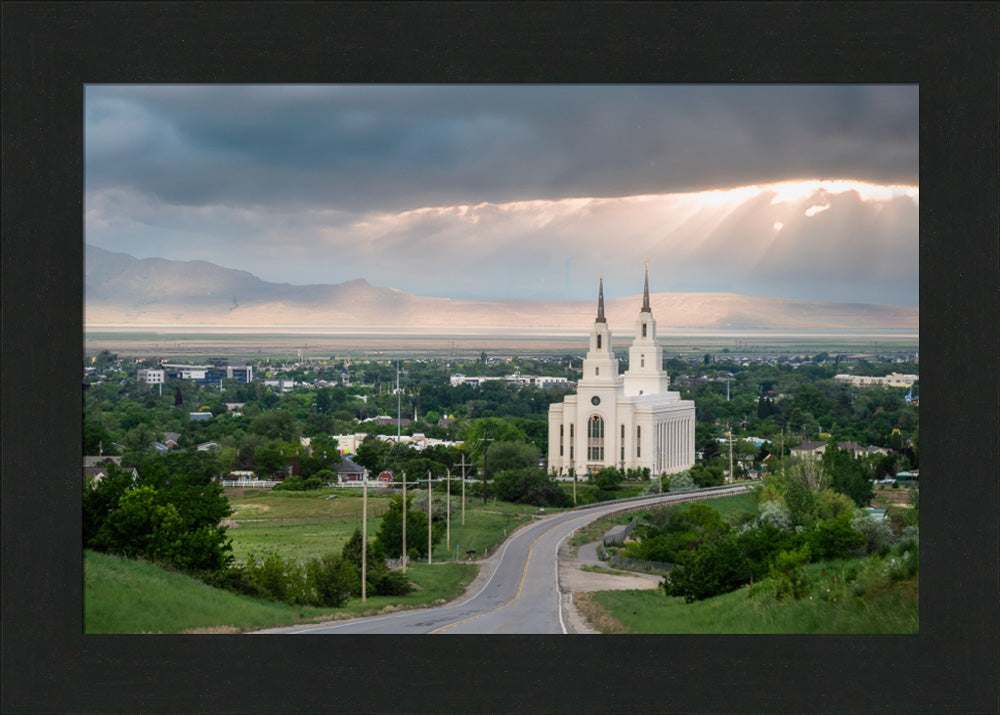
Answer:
(530, 485)
(390, 531)
(269, 460)
(96, 439)
(141, 526)
(278, 424)
(607, 478)
(717, 567)
(847, 474)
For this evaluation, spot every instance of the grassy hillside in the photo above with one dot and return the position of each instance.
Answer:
(127, 596)
(830, 607)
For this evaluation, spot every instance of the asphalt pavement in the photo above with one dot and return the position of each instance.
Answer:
(521, 593)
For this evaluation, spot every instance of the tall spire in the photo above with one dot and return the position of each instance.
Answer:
(645, 292)
(600, 303)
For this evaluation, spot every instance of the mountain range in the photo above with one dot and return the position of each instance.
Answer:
(126, 292)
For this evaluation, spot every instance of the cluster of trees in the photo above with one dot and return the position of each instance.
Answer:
(531, 485)
(389, 538)
(808, 513)
(170, 513)
(765, 400)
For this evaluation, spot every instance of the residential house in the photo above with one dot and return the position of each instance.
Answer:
(813, 450)
(171, 439)
(349, 472)
(96, 468)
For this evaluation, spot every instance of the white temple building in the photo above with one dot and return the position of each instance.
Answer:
(628, 421)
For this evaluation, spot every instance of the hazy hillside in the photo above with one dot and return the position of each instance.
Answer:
(125, 291)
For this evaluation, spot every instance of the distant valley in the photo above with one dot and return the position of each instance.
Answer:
(124, 292)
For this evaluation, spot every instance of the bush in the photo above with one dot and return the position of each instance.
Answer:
(682, 481)
(277, 579)
(788, 575)
(876, 532)
(329, 580)
(298, 484)
(388, 583)
(592, 495)
(717, 567)
(326, 476)
(834, 539)
(775, 514)
(703, 476)
(739, 517)
(761, 542)
(607, 478)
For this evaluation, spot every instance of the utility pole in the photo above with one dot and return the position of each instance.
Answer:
(399, 405)
(486, 448)
(463, 488)
(447, 518)
(430, 509)
(730, 433)
(404, 523)
(364, 536)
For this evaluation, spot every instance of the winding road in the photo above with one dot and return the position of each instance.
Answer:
(522, 592)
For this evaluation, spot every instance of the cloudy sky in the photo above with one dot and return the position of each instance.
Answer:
(807, 192)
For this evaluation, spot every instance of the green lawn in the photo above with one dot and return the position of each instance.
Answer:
(127, 596)
(830, 607)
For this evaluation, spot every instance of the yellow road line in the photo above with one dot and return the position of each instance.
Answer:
(517, 595)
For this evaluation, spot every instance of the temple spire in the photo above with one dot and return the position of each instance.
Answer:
(645, 292)
(600, 303)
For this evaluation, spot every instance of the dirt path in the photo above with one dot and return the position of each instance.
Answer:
(573, 580)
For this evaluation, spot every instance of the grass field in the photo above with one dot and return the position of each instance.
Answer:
(299, 525)
(828, 608)
(127, 596)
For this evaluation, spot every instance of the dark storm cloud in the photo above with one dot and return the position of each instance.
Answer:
(397, 147)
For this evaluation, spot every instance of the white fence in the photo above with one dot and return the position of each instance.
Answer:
(248, 483)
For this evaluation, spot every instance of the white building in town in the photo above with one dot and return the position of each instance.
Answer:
(894, 379)
(627, 421)
(151, 377)
(518, 380)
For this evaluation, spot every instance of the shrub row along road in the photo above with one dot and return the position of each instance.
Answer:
(522, 593)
